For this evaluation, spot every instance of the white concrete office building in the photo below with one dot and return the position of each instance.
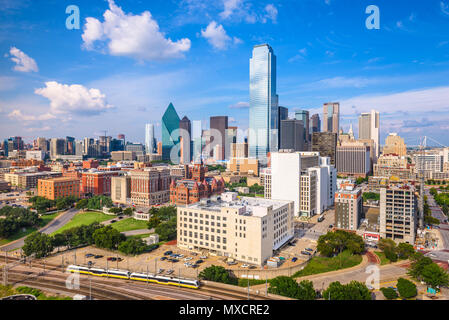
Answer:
(246, 229)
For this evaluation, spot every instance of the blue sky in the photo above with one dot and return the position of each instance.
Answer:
(131, 58)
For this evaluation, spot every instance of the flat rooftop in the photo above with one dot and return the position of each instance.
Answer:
(251, 206)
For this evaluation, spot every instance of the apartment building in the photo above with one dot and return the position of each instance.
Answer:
(28, 180)
(354, 159)
(245, 229)
(398, 213)
(348, 208)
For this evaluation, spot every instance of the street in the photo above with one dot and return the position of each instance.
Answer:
(57, 223)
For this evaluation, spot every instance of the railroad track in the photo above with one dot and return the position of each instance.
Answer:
(57, 282)
(203, 292)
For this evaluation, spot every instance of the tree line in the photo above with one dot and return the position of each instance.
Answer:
(106, 237)
(16, 219)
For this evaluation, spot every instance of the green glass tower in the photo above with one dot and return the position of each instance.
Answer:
(170, 132)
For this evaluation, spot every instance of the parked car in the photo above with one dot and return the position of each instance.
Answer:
(194, 266)
(309, 249)
(112, 259)
(113, 221)
(188, 259)
(306, 253)
(294, 259)
(252, 267)
(160, 270)
(166, 253)
(88, 255)
(199, 261)
(231, 263)
(245, 265)
(173, 260)
(120, 218)
(163, 258)
(98, 256)
(194, 254)
(180, 255)
(170, 271)
(203, 257)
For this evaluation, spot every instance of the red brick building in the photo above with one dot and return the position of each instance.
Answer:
(91, 164)
(188, 191)
(97, 182)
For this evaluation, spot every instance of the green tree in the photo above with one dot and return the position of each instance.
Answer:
(406, 288)
(405, 250)
(389, 293)
(352, 291)
(418, 263)
(284, 286)
(39, 244)
(167, 230)
(115, 210)
(82, 204)
(306, 290)
(133, 246)
(128, 212)
(217, 274)
(154, 222)
(435, 276)
(108, 238)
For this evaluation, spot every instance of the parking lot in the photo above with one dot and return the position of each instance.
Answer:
(14, 198)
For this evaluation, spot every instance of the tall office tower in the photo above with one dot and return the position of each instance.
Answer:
(303, 115)
(197, 141)
(398, 213)
(354, 159)
(170, 133)
(150, 141)
(263, 113)
(369, 129)
(42, 144)
(394, 144)
(105, 145)
(292, 135)
(283, 115)
(231, 137)
(121, 136)
(315, 123)
(79, 147)
(70, 145)
(185, 132)
(117, 145)
(326, 144)
(57, 147)
(331, 117)
(219, 125)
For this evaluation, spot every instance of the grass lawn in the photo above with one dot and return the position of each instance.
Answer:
(84, 218)
(252, 282)
(140, 236)
(383, 259)
(130, 224)
(22, 233)
(324, 264)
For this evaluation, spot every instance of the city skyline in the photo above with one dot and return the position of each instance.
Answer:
(120, 89)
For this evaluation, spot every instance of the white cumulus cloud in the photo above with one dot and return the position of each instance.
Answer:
(18, 115)
(136, 36)
(73, 99)
(216, 35)
(24, 63)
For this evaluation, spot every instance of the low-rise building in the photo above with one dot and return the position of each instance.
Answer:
(246, 166)
(246, 229)
(55, 188)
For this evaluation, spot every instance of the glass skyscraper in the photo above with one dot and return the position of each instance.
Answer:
(263, 112)
(150, 144)
(170, 132)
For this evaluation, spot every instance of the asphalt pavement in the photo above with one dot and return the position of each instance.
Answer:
(53, 226)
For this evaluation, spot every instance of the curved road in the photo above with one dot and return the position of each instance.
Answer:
(53, 226)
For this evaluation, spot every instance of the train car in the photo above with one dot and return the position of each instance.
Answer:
(193, 284)
(115, 273)
(84, 270)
